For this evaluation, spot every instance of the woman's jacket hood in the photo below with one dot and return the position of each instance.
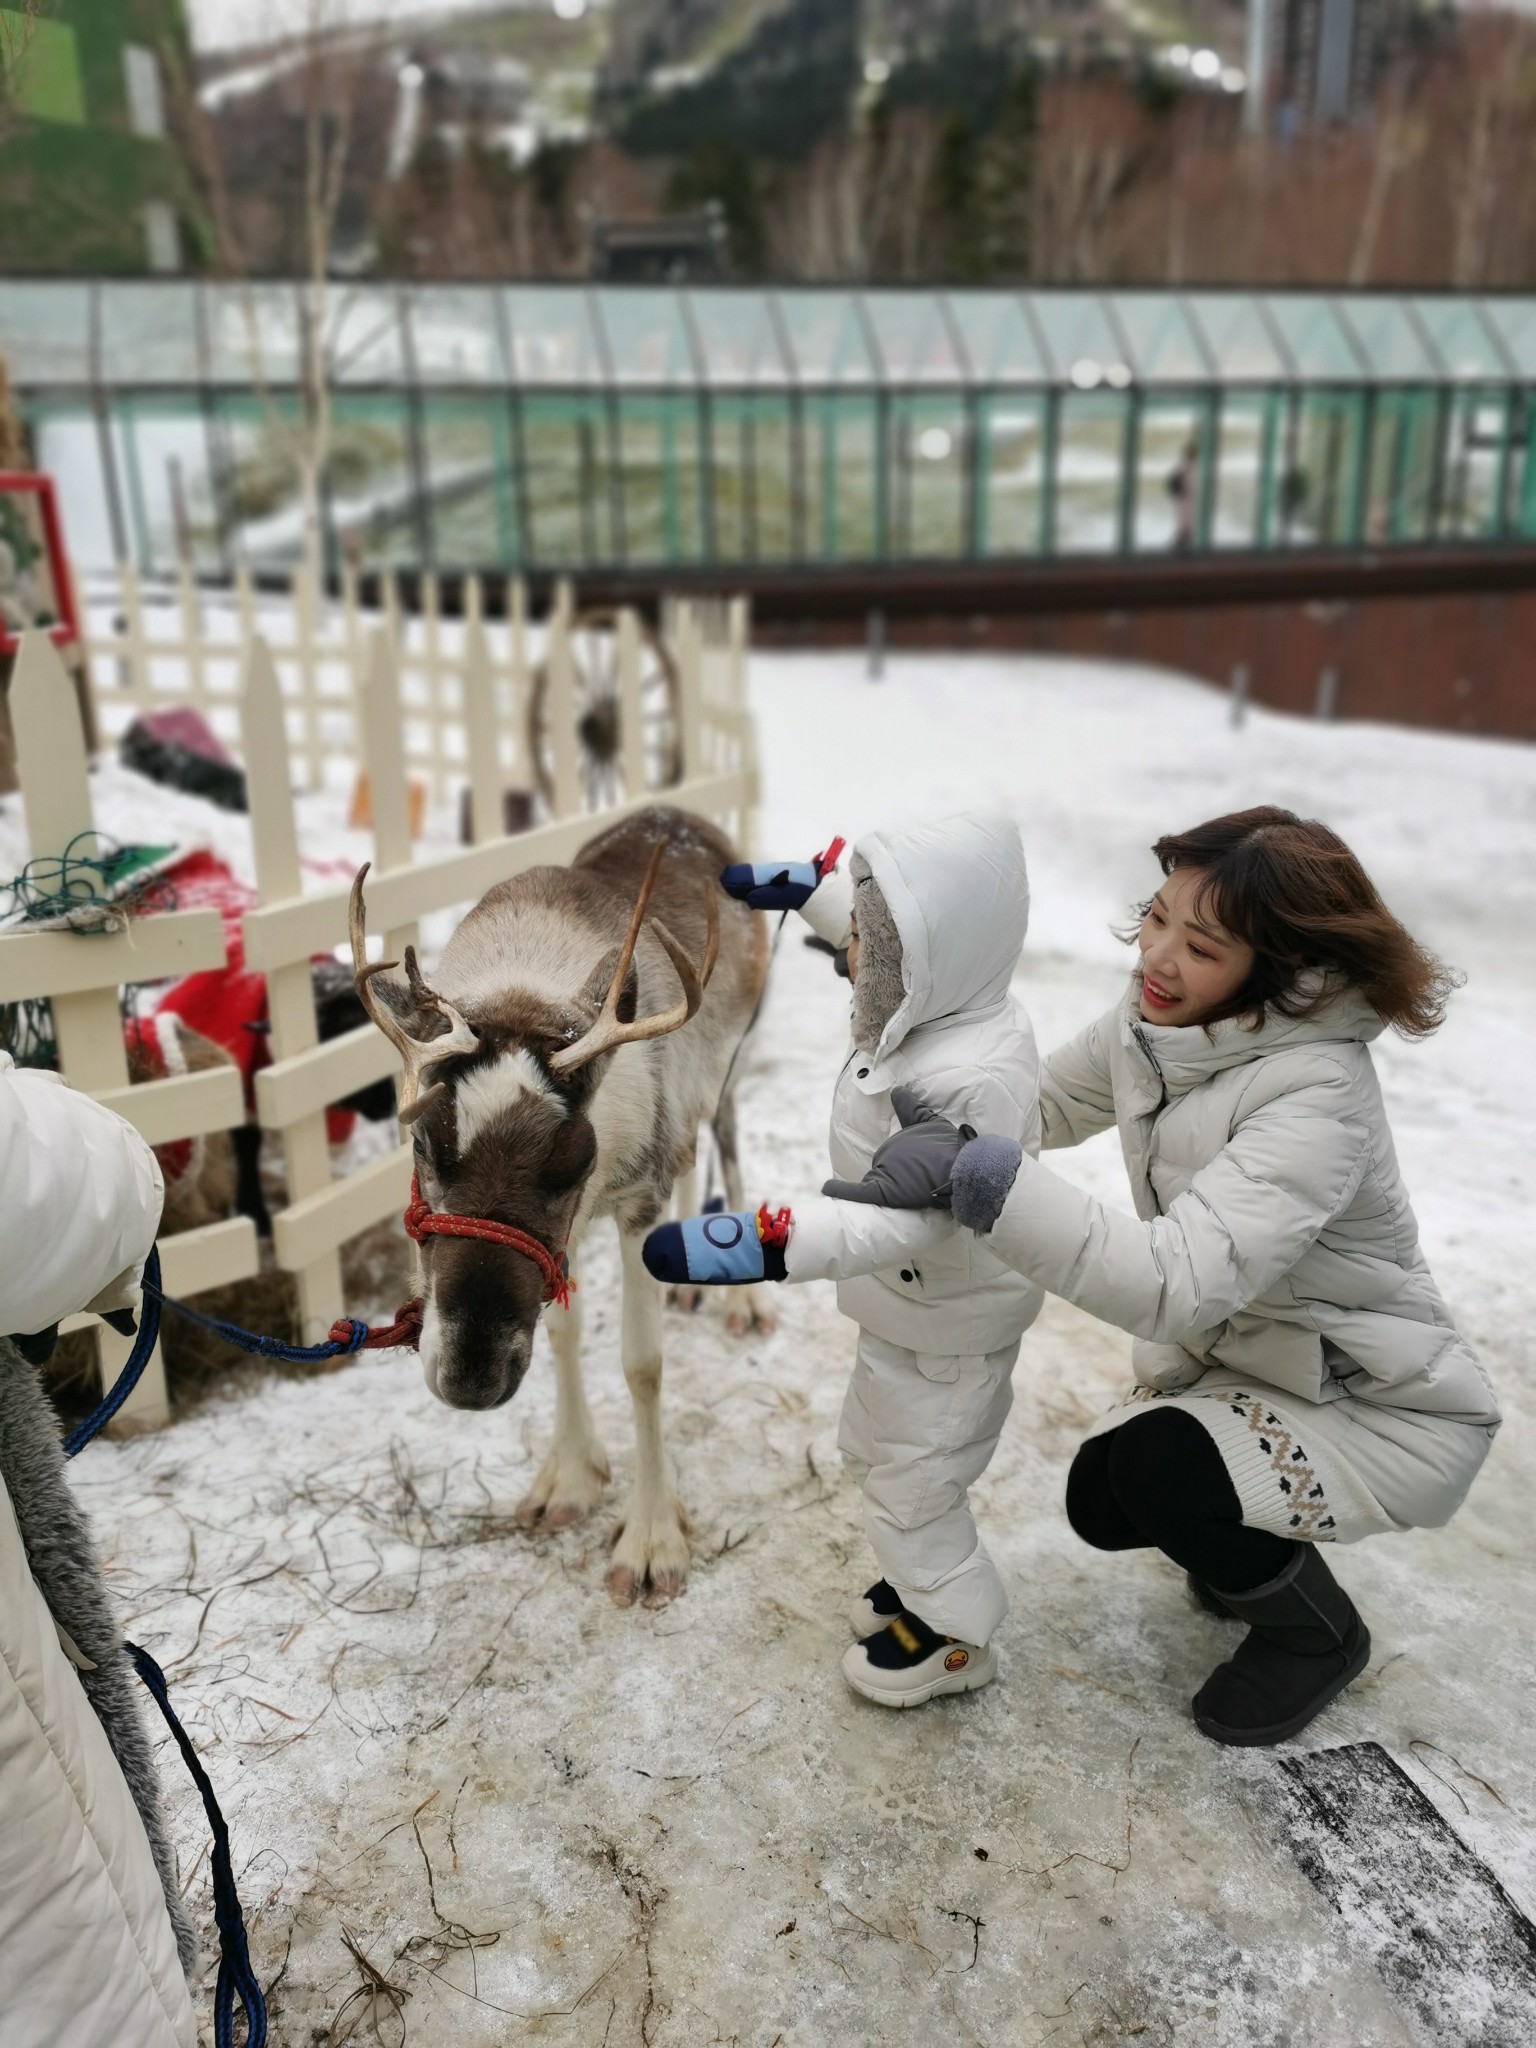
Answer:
(958, 893)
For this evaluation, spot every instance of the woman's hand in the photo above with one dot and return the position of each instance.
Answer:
(913, 1168)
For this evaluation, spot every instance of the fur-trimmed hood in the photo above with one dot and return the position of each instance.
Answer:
(958, 896)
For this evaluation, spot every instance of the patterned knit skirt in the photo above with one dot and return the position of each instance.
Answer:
(1286, 1466)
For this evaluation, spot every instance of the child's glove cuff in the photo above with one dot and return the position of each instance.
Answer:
(983, 1176)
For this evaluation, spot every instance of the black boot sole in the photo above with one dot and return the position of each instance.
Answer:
(1281, 1731)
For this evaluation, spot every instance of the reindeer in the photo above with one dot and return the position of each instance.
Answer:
(581, 1029)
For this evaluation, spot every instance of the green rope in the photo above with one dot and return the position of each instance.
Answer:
(87, 892)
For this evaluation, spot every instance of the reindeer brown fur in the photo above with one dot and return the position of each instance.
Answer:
(523, 1111)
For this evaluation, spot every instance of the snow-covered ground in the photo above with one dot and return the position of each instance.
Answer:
(474, 1803)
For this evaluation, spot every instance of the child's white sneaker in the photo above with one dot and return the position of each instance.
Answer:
(874, 1610)
(907, 1663)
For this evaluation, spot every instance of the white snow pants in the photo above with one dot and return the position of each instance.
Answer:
(917, 1432)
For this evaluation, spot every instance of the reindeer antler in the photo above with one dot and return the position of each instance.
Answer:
(417, 1053)
(607, 1031)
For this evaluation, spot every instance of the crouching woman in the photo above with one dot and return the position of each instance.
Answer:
(1299, 1379)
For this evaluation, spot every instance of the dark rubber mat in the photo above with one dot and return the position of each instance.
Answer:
(1447, 1939)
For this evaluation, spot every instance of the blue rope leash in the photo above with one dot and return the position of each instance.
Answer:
(261, 1347)
(235, 1973)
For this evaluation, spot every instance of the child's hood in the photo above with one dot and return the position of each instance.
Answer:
(958, 893)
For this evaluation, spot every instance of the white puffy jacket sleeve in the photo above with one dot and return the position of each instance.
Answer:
(80, 1194)
(840, 1240)
(1241, 1224)
(1077, 1096)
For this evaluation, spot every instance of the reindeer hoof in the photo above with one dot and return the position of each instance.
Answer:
(565, 1490)
(750, 1313)
(686, 1300)
(650, 1556)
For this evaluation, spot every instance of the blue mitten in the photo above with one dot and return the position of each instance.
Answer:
(777, 884)
(719, 1250)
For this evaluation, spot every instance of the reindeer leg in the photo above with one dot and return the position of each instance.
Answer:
(650, 1555)
(747, 1309)
(571, 1479)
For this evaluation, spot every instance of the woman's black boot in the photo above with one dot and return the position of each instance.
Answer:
(1305, 1643)
(1209, 1602)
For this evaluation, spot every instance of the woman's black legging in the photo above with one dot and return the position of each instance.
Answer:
(1158, 1482)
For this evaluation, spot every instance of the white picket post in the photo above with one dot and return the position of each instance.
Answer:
(88, 1026)
(560, 711)
(383, 751)
(631, 704)
(690, 655)
(290, 993)
(481, 739)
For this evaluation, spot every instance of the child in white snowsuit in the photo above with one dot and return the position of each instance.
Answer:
(934, 920)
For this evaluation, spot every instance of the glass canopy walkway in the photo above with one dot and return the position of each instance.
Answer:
(571, 427)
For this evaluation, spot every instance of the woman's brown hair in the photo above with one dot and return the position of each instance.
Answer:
(1291, 889)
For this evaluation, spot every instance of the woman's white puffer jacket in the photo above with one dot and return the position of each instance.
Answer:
(1276, 1242)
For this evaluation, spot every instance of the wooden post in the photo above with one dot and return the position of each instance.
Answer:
(290, 994)
(383, 751)
(481, 738)
(690, 655)
(631, 706)
(56, 795)
(560, 712)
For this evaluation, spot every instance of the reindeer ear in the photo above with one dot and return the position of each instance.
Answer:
(596, 991)
(570, 1156)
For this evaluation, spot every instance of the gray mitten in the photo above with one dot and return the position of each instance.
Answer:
(911, 1170)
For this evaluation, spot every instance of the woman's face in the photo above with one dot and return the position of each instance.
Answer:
(1190, 966)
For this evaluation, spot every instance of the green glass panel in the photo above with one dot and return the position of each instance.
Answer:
(68, 448)
(1243, 347)
(1082, 340)
(553, 341)
(1399, 495)
(363, 339)
(1090, 466)
(913, 338)
(1165, 348)
(1314, 338)
(1010, 476)
(842, 479)
(1390, 342)
(1243, 483)
(926, 470)
(826, 337)
(455, 335)
(149, 334)
(253, 334)
(567, 481)
(999, 341)
(1461, 337)
(1482, 425)
(370, 485)
(647, 341)
(161, 450)
(1173, 450)
(41, 63)
(752, 479)
(1319, 485)
(737, 337)
(45, 332)
(467, 453)
(660, 472)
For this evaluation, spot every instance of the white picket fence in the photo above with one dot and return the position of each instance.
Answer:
(82, 976)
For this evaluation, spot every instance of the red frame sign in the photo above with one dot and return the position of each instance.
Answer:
(36, 589)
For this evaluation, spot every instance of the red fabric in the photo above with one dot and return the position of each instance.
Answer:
(229, 1004)
(773, 1226)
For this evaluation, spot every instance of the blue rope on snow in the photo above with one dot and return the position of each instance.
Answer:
(262, 1347)
(235, 1972)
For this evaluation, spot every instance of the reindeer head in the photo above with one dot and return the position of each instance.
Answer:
(498, 1115)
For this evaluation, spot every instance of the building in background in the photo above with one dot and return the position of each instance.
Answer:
(1312, 63)
(91, 176)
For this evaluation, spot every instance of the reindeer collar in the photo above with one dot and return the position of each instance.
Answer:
(422, 1220)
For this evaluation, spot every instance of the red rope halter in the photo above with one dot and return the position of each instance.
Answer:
(422, 1220)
